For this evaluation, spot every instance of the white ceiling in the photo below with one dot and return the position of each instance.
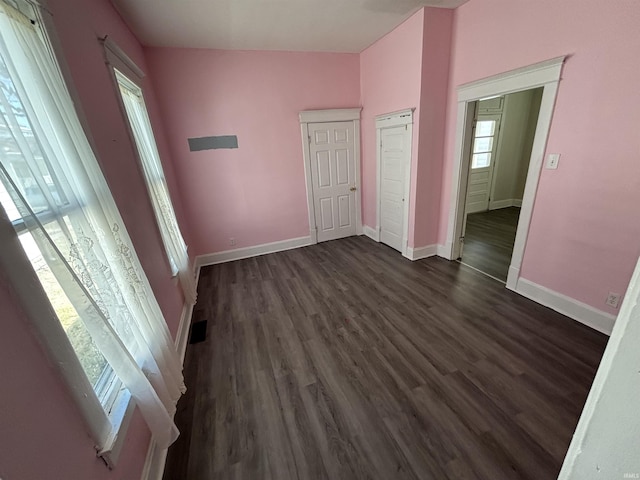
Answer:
(298, 25)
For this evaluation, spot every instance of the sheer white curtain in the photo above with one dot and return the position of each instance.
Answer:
(55, 183)
(156, 184)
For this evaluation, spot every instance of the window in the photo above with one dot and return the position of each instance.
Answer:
(137, 116)
(41, 191)
(91, 304)
(484, 140)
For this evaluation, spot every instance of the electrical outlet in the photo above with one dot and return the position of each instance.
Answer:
(613, 300)
(232, 241)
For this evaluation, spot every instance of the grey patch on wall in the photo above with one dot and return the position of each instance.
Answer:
(211, 143)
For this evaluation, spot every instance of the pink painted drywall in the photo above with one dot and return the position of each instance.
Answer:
(584, 233)
(41, 432)
(255, 194)
(436, 53)
(409, 68)
(390, 80)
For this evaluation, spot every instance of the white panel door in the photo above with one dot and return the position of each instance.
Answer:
(333, 175)
(485, 141)
(395, 163)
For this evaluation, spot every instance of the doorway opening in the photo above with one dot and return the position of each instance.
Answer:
(545, 75)
(503, 131)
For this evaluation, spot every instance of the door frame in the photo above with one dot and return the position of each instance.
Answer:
(329, 116)
(390, 120)
(544, 74)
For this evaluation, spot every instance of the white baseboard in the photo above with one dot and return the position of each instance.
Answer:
(443, 251)
(372, 233)
(421, 252)
(509, 202)
(248, 252)
(183, 331)
(581, 312)
(156, 457)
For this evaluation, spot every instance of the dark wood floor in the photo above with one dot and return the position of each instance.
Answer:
(488, 240)
(346, 361)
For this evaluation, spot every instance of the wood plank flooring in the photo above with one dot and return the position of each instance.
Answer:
(344, 360)
(489, 239)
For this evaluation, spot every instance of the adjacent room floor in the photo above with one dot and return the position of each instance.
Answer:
(344, 360)
(488, 241)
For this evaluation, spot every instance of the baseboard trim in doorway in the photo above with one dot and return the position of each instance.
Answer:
(372, 233)
(418, 253)
(581, 312)
(480, 271)
(511, 202)
(254, 251)
(443, 251)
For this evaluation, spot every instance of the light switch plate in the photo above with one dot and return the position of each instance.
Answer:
(552, 161)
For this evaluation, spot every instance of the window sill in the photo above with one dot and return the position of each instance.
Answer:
(120, 417)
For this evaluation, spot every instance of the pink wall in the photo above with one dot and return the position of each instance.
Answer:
(585, 227)
(436, 54)
(409, 68)
(390, 80)
(256, 193)
(41, 432)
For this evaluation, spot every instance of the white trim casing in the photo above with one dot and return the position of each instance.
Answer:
(461, 169)
(583, 313)
(544, 74)
(334, 115)
(395, 119)
(524, 78)
(326, 116)
(117, 58)
(248, 252)
(306, 153)
(378, 143)
(356, 151)
(390, 120)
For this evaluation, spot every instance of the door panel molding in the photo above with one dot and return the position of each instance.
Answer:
(392, 120)
(308, 117)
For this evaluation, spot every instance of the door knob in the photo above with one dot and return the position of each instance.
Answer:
(353, 189)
